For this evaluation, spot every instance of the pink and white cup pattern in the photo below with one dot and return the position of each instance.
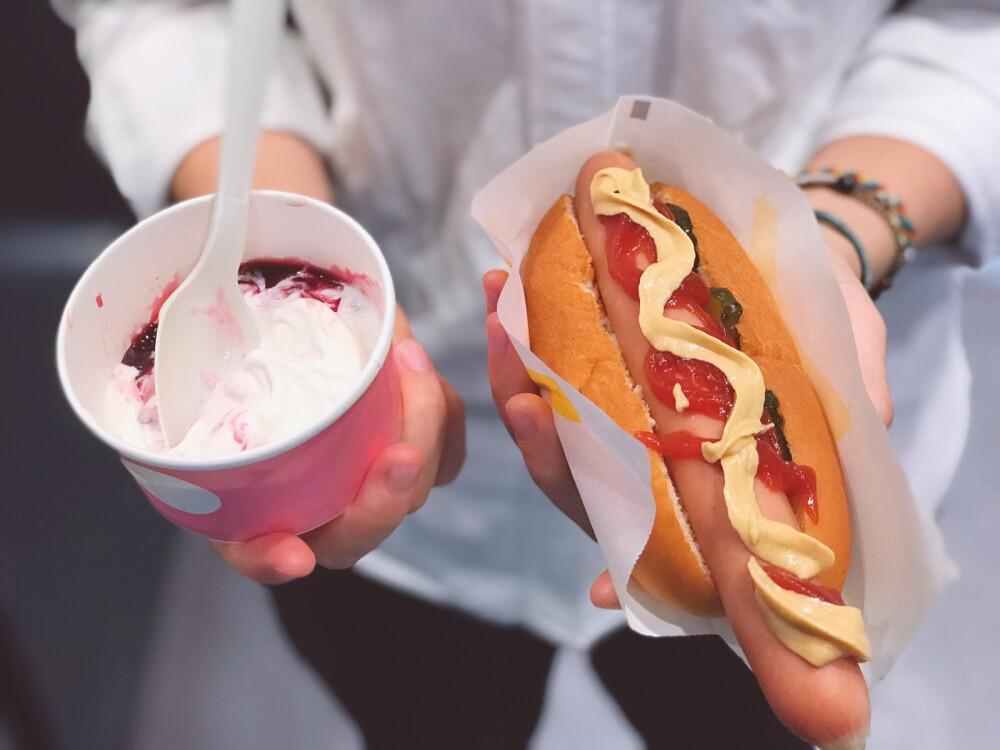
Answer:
(294, 484)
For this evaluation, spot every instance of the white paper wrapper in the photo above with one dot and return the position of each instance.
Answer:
(898, 563)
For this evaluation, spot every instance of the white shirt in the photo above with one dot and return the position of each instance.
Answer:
(430, 99)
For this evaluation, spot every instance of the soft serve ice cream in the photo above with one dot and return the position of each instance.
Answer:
(317, 332)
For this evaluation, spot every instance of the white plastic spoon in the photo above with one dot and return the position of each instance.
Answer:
(205, 326)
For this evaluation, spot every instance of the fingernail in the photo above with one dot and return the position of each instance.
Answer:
(402, 477)
(412, 356)
(523, 424)
(492, 295)
(496, 338)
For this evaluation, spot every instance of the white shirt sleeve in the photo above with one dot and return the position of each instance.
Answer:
(930, 75)
(158, 73)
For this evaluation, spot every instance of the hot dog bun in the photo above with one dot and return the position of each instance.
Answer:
(570, 332)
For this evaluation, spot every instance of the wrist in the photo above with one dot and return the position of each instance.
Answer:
(871, 208)
(284, 162)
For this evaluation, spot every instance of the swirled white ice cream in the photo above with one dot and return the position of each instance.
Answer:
(316, 335)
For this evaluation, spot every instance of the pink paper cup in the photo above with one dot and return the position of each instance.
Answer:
(291, 485)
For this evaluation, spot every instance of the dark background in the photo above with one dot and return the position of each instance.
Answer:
(49, 171)
(81, 552)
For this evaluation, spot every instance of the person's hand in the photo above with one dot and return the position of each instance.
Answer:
(933, 199)
(527, 416)
(430, 451)
(529, 420)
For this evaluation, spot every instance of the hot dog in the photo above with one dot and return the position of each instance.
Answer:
(616, 302)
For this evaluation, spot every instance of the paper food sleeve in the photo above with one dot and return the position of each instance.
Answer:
(898, 563)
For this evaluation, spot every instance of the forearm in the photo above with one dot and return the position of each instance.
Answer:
(284, 162)
(928, 190)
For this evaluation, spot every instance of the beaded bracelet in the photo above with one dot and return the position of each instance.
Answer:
(878, 199)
